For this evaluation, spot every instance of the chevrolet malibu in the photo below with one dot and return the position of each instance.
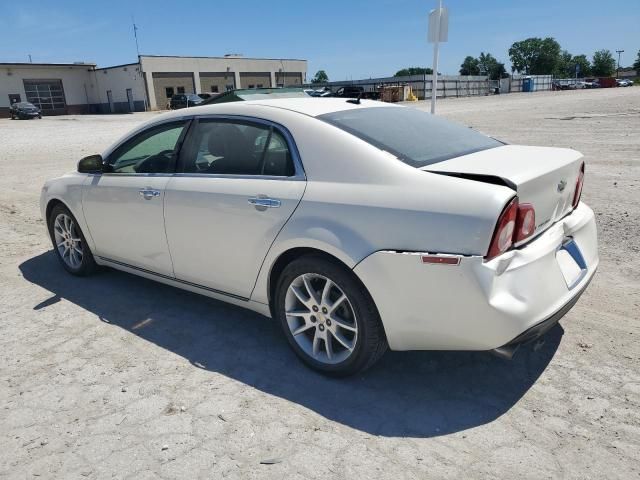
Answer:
(357, 225)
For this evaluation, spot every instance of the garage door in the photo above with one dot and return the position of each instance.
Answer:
(46, 94)
(255, 80)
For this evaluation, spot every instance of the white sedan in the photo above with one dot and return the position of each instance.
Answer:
(357, 225)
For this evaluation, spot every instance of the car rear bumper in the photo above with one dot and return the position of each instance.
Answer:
(478, 305)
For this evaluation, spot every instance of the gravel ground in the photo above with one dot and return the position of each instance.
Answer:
(118, 377)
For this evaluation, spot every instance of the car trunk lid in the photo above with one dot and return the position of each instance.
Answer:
(542, 176)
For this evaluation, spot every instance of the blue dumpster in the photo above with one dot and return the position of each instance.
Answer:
(527, 84)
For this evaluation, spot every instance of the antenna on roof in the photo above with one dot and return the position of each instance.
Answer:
(30, 61)
(135, 34)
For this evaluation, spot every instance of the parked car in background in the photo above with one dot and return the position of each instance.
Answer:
(350, 91)
(24, 110)
(357, 226)
(208, 95)
(183, 100)
(624, 83)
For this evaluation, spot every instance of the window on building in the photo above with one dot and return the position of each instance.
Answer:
(229, 88)
(281, 85)
(180, 89)
(214, 89)
(251, 85)
(168, 92)
(260, 85)
(45, 94)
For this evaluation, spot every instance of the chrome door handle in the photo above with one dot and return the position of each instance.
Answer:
(149, 193)
(263, 203)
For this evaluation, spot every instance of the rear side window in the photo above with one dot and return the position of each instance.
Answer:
(230, 147)
(415, 137)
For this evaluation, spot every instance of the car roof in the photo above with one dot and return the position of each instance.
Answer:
(311, 106)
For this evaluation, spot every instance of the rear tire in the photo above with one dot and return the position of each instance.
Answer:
(328, 317)
(69, 243)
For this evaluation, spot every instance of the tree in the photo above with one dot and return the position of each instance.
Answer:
(565, 67)
(406, 72)
(636, 64)
(535, 56)
(485, 64)
(489, 66)
(603, 64)
(583, 62)
(321, 77)
(470, 66)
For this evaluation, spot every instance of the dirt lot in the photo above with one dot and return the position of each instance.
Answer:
(119, 377)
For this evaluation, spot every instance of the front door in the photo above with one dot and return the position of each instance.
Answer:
(123, 207)
(235, 188)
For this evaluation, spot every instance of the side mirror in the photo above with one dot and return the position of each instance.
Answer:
(91, 164)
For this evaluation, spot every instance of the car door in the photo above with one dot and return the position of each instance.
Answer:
(238, 182)
(123, 206)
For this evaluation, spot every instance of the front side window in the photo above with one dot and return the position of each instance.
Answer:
(415, 137)
(152, 151)
(229, 147)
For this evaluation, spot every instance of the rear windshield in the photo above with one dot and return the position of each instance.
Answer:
(415, 137)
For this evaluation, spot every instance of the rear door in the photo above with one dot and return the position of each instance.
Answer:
(238, 182)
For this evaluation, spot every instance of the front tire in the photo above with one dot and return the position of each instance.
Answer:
(69, 242)
(328, 317)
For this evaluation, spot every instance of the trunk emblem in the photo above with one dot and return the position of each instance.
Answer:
(561, 186)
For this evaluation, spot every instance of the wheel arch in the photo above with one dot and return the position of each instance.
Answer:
(288, 256)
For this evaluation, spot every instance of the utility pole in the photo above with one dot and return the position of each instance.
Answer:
(619, 52)
(30, 61)
(135, 34)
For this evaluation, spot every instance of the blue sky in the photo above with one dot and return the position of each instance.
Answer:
(348, 39)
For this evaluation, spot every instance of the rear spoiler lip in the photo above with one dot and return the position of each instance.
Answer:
(492, 179)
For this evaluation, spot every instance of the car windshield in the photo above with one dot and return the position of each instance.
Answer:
(24, 104)
(415, 137)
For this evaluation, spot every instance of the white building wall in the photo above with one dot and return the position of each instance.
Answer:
(196, 65)
(77, 83)
(118, 79)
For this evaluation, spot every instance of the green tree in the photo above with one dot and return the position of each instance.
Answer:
(535, 56)
(321, 77)
(585, 66)
(636, 64)
(405, 72)
(604, 65)
(470, 66)
(488, 65)
(564, 68)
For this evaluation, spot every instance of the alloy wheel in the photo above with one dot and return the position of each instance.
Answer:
(68, 241)
(321, 318)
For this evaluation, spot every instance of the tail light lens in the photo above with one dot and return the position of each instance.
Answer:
(503, 235)
(525, 222)
(516, 223)
(578, 192)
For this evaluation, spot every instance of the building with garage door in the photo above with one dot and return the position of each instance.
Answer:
(148, 84)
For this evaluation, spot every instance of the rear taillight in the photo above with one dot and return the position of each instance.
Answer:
(525, 222)
(503, 234)
(578, 192)
(516, 223)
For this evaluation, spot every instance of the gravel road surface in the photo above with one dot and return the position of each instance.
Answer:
(118, 377)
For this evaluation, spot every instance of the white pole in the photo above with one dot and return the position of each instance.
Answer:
(436, 49)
